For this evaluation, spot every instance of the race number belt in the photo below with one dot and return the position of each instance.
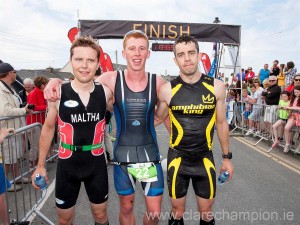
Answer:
(143, 172)
(81, 148)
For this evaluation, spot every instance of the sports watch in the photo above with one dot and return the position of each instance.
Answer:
(227, 156)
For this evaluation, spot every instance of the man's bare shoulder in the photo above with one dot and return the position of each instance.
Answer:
(218, 83)
(167, 86)
(160, 81)
(220, 88)
(165, 92)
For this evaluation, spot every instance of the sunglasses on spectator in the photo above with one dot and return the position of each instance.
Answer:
(272, 80)
(296, 79)
(255, 81)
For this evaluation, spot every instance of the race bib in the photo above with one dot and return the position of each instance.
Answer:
(143, 172)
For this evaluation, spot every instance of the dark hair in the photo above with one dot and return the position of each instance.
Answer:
(286, 93)
(85, 41)
(186, 39)
(39, 81)
(290, 65)
(294, 96)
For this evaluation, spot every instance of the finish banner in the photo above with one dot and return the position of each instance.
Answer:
(166, 31)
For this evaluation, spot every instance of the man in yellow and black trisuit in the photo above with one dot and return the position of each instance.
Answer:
(195, 103)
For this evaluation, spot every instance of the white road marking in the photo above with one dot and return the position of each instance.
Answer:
(272, 156)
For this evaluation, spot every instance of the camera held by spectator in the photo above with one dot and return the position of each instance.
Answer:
(30, 106)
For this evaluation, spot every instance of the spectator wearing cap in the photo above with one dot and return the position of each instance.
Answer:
(19, 87)
(10, 106)
(250, 74)
(263, 73)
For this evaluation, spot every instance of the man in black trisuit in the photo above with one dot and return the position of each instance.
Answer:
(136, 153)
(81, 122)
(195, 103)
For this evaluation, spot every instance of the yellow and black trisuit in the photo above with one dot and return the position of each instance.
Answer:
(192, 111)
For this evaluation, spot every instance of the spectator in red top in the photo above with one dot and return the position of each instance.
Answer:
(250, 74)
(36, 98)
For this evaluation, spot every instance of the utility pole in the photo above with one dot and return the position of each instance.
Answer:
(116, 52)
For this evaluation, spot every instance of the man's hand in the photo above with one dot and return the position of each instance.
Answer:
(42, 172)
(52, 90)
(28, 110)
(4, 132)
(227, 166)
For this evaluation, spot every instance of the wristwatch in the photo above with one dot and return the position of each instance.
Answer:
(227, 156)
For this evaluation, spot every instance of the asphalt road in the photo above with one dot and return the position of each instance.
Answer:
(265, 190)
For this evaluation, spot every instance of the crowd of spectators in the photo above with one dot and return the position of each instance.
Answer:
(270, 101)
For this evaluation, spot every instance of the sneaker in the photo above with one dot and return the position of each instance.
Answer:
(257, 133)
(250, 131)
(297, 150)
(286, 148)
(23, 180)
(14, 188)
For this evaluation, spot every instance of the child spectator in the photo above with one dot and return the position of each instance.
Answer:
(248, 107)
(294, 118)
(283, 115)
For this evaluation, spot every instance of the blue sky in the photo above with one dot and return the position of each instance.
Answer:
(33, 33)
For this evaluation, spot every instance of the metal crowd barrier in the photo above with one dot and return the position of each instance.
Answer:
(24, 203)
(262, 131)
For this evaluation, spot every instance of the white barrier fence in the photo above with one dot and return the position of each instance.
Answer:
(257, 120)
(19, 160)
